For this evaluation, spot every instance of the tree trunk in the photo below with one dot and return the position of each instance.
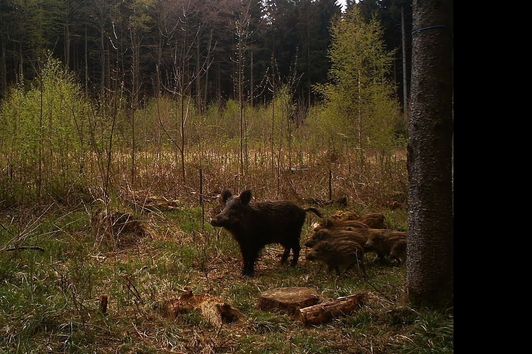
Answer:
(405, 90)
(207, 70)
(251, 79)
(86, 64)
(67, 45)
(430, 249)
(241, 108)
(199, 104)
(273, 115)
(21, 65)
(102, 64)
(135, 72)
(3, 68)
(182, 135)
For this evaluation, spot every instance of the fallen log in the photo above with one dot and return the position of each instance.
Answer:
(288, 300)
(326, 311)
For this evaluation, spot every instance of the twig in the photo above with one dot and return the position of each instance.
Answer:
(34, 248)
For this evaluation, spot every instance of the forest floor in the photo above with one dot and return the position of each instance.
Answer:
(50, 298)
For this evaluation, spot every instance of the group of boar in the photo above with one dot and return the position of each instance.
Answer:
(342, 241)
(339, 241)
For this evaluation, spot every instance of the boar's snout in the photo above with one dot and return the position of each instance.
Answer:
(216, 221)
(369, 244)
(311, 256)
(309, 243)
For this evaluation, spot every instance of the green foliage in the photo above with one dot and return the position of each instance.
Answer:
(361, 105)
(44, 137)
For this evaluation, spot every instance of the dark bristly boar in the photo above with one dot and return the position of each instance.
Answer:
(357, 235)
(382, 242)
(256, 224)
(398, 251)
(338, 253)
(372, 220)
(339, 224)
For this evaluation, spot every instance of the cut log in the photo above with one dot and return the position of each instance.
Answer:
(288, 300)
(213, 309)
(326, 311)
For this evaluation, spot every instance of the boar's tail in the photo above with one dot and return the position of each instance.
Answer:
(315, 211)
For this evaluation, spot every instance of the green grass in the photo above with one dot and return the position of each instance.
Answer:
(49, 301)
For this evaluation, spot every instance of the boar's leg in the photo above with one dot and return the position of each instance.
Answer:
(295, 254)
(359, 261)
(361, 268)
(286, 253)
(250, 257)
(381, 258)
(329, 268)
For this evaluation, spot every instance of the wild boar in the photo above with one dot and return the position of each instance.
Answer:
(255, 224)
(337, 253)
(339, 224)
(382, 241)
(359, 236)
(374, 220)
(398, 251)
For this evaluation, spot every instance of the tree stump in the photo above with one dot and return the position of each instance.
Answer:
(288, 300)
(326, 311)
(218, 312)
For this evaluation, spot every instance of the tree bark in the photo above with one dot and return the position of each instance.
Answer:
(199, 104)
(405, 90)
(326, 311)
(430, 243)
(102, 63)
(3, 67)
(86, 64)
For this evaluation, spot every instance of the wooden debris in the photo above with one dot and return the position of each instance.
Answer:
(288, 300)
(148, 203)
(326, 311)
(217, 312)
(123, 227)
(214, 309)
(103, 304)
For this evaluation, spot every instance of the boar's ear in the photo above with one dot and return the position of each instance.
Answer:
(245, 196)
(226, 194)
